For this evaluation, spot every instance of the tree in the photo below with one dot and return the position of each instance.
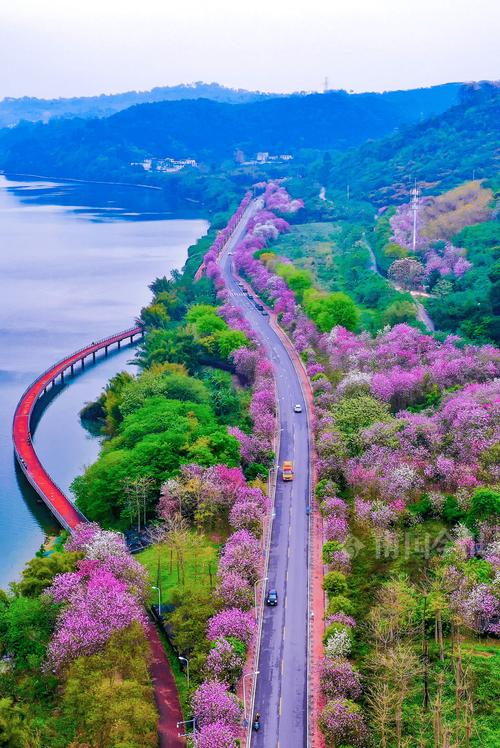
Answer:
(399, 311)
(335, 583)
(39, 573)
(328, 310)
(485, 504)
(342, 724)
(13, 732)
(26, 627)
(407, 272)
(108, 695)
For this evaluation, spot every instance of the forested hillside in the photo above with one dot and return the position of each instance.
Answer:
(412, 104)
(458, 145)
(89, 148)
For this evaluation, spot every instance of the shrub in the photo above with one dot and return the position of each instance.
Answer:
(334, 583)
(339, 604)
(329, 548)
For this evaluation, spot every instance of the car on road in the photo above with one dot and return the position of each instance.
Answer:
(259, 307)
(265, 313)
(287, 470)
(297, 408)
(272, 598)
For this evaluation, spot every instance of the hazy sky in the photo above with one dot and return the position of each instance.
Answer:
(52, 48)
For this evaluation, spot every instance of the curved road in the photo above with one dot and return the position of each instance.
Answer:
(281, 690)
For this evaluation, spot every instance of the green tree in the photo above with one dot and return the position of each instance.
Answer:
(330, 309)
(26, 626)
(485, 505)
(13, 732)
(399, 311)
(352, 414)
(39, 573)
(335, 583)
(109, 697)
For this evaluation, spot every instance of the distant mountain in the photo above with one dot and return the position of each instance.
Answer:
(410, 105)
(458, 145)
(13, 110)
(209, 131)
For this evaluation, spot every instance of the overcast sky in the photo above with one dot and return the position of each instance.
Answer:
(51, 48)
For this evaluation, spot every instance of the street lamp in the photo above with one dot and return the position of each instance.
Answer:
(185, 659)
(159, 599)
(255, 591)
(248, 675)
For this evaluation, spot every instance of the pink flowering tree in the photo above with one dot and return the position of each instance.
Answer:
(242, 554)
(338, 679)
(213, 703)
(216, 735)
(232, 586)
(231, 622)
(224, 663)
(342, 724)
(95, 605)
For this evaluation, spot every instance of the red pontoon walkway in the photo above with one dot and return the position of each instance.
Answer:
(59, 504)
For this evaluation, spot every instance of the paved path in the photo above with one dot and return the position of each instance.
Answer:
(281, 691)
(166, 696)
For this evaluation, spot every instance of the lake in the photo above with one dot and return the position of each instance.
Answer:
(75, 264)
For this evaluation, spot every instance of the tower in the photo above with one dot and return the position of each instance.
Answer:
(415, 200)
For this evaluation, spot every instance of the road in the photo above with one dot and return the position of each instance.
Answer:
(281, 691)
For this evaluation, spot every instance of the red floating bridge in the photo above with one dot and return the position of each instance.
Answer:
(61, 507)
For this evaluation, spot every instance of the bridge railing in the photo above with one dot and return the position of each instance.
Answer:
(98, 345)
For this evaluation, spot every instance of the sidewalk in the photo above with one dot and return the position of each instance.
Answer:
(166, 697)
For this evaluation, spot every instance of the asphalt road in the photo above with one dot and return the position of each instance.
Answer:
(281, 692)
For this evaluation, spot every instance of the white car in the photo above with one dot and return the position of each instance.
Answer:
(297, 408)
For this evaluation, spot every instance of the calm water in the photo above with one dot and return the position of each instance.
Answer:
(75, 263)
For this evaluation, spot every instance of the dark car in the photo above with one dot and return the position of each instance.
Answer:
(260, 307)
(272, 598)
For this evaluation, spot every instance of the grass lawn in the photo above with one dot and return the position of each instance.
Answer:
(192, 564)
(195, 565)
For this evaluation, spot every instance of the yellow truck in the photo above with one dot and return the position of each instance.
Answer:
(287, 471)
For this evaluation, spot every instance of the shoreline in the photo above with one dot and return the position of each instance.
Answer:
(137, 185)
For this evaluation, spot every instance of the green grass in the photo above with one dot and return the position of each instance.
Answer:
(198, 562)
(170, 571)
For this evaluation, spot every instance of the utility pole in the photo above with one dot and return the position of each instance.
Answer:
(415, 194)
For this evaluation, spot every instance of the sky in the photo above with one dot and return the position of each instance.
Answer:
(56, 48)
